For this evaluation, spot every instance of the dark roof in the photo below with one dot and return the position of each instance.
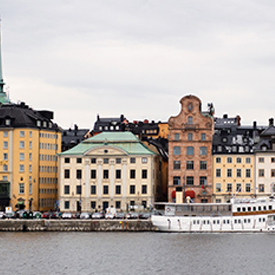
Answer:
(21, 115)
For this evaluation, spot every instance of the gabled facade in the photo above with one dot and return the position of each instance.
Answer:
(190, 152)
(29, 145)
(110, 169)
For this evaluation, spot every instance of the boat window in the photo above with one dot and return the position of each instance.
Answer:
(259, 208)
(249, 208)
(198, 222)
(208, 222)
(218, 222)
(254, 208)
(270, 207)
(224, 221)
(228, 221)
(239, 209)
(264, 207)
(244, 209)
(263, 219)
(203, 222)
(194, 222)
(214, 222)
(239, 221)
(248, 220)
(235, 221)
(260, 219)
(244, 220)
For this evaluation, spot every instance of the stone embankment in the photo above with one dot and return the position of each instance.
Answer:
(15, 225)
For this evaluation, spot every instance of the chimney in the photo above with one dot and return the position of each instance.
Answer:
(271, 121)
(225, 116)
(254, 124)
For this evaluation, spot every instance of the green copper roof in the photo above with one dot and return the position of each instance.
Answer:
(125, 141)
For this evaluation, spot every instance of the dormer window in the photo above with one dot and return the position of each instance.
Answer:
(8, 122)
(44, 124)
(50, 125)
(38, 123)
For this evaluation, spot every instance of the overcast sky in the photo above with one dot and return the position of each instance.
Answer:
(80, 58)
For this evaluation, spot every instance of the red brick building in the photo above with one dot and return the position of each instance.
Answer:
(190, 152)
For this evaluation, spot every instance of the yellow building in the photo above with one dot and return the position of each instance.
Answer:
(30, 142)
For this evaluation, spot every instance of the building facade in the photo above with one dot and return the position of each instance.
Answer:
(190, 152)
(29, 145)
(111, 169)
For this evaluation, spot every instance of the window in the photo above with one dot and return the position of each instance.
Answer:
(190, 151)
(79, 174)
(30, 156)
(189, 180)
(5, 156)
(30, 188)
(272, 160)
(21, 144)
(67, 160)
(22, 134)
(118, 174)
(144, 174)
(177, 136)
(79, 160)
(132, 174)
(78, 189)
(176, 150)
(261, 160)
(261, 172)
(218, 173)
(218, 187)
(144, 189)
(176, 180)
(189, 165)
(30, 134)
(5, 134)
(272, 172)
(229, 173)
(118, 160)
(93, 160)
(132, 160)
(93, 189)
(261, 188)
(144, 160)
(218, 160)
(66, 189)
(93, 204)
(105, 161)
(118, 189)
(93, 174)
(105, 189)
(66, 173)
(203, 136)
(238, 187)
(176, 164)
(8, 122)
(229, 160)
(105, 174)
(21, 168)
(203, 151)
(132, 189)
(247, 160)
(229, 187)
(190, 136)
(21, 188)
(203, 165)
(247, 187)
(247, 173)
(239, 173)
(30, 144)
(5, 145)
(66, 204)
(203, 181)
(118, 204)
(239, 160)
(190, 120)
(30, 168)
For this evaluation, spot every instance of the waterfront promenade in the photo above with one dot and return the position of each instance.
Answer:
(76, 225)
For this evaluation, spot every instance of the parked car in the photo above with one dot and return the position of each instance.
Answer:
(2, 215)
(109, 216)
(20, 213)
(120, 215)
(85, 215)
(145, 216)
(37, 215)
(66, 215)
(98, 215)
(132, 216)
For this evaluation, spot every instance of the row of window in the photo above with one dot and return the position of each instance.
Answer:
(48, 146)
(229, 187)
(189, 151)
(48, 180)
(105, 174)
(105, 189)
(229, 173)
(105, 160)
(262, 159)
(48, 191)
(236, 221)
(48, 169)
(254, 208)
(106, 204)
(21, 144)
(189, 136)
(230, 160)
(22, 168)
(46, 202)
(189, 180)
(21, 188)
(261, 172)
(48, 157)
(46, 135)
(189, 165)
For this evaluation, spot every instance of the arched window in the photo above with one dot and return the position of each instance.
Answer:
(190, 151)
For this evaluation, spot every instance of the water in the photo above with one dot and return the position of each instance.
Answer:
(136, 253)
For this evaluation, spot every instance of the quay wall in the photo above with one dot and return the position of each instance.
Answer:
(17, 225)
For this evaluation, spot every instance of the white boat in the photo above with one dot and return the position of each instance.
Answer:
(237, 216)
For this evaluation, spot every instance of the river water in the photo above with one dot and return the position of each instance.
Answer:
(136, 253)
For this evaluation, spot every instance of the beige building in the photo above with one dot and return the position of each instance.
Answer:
(111, 169)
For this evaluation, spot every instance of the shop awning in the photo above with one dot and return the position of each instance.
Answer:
(173, 194)
(190, 193)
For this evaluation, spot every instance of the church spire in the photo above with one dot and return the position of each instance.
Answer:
(3, 97)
